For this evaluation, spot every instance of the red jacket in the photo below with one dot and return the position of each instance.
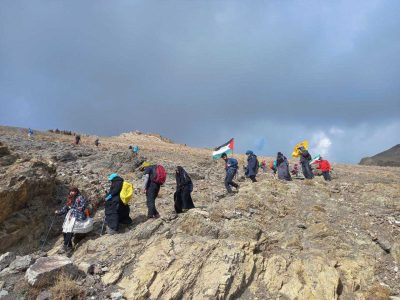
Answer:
(323, 165)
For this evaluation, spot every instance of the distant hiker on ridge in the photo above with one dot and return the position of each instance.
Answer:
(252, 166)
(97, 142)
(231, 167)
(184, 187)
(325, 168)
(305, 159)
(77, 139)
(283, 167)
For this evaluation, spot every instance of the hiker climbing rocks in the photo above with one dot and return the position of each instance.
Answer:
(283, 167)
(325, 168)
(263, 166)
(252, 166)
(115, 211)
(97, 142)
(76, 210)
(154, 177)
(231, 166)
(305, 159)
(77, 139)
(184, 187)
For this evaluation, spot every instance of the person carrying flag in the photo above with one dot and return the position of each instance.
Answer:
(231, 167)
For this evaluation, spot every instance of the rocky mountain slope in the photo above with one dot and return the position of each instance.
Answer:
(388, 158)
(272, 240)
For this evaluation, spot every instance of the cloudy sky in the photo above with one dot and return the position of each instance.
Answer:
(269, 73)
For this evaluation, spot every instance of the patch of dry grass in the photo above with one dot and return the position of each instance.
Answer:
(66, 288)
(378, 292)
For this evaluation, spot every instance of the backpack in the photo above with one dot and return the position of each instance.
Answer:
(126, 192)
(160, 175)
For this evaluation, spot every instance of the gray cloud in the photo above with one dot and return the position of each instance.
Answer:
(269, 73)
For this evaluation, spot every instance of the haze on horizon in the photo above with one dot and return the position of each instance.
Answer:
(269, 73)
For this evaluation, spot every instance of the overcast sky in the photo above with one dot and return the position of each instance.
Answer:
(269, 73)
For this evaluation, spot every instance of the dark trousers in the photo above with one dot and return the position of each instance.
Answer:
(230, 174)
(111, 213)
(253, 178)
(151, 195)
(307, 172)
(68, 239)
(123, 214)
(327, 175)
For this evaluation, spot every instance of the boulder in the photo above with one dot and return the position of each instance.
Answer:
(6, 259)
(20, 264)
(46, 269)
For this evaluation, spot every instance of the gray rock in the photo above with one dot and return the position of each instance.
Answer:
(116, 296)
(21, 263)
(45, 270)
(6, 259)
(1, 284)
(3, 293)
(384, 244)
(45, 295)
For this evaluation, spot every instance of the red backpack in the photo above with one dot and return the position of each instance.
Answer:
(160, 175)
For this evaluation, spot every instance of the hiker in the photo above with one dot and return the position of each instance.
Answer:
(295, 170)
(305, 159)
(282, 165)
(115, 211)
(252, 166)
(263, 166)
(97, 142)
(272, 166)
(76, 210)
(184, 187)
(325, 168)
(152, 184)
(77, 139)
(135, 150)
(231, 166)
(30, 132)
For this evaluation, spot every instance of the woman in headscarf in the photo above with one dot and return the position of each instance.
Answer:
(283, 167)
(184, 187)
(305, 159)
(75, 208)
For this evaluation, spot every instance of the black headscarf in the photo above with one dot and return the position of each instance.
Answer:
(182, 178)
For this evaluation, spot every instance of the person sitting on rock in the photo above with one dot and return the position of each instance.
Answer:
(75, 208)
(252, 166)
(325, 168)
(283, 167)
(115, 210)
(305, 159)
(184, 187)
(231, 167)
(151, 189)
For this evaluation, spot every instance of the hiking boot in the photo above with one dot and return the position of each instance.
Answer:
(111, 231)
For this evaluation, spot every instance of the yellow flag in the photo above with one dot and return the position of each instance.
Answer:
(296, 152)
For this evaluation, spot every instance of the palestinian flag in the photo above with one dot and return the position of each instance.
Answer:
(225, 148)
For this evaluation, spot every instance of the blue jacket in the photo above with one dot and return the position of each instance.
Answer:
(231, 165)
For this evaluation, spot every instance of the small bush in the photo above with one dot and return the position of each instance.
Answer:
(65, 289)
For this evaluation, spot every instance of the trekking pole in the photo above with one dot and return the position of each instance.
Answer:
(47, 235)
(102, 226)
